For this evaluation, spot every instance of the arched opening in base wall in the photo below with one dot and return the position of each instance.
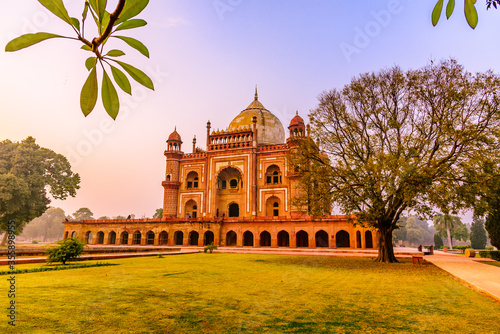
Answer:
(283, 239)
(248, 238)
(231, 238)
(88, 237)
(265, 239)
(136, 238)
(66, 235)
(321, 239)
(342, 238)
(208, 238)
(178, 238)
(193, 238)
(100, 237)
(112, 238)
(124, 238)
(150, 238)
(73, 234)
(302, 239)
(358, 239)
(368, 239)
(163, 238)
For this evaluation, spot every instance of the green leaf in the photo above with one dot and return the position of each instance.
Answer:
(115, 53)
(436, 12)
(93, 4)
(90, 63)
(85, 11)
(121, 79)
(132, 8)
(24, 41)
(57, 8)
(449, 8)
(131, 24)
(75, 23)
(136, 74)
(101, 8)
(135, 44)
(104, 23)
(470, 13)
(109, 96)
(86, 47)
(88, 96)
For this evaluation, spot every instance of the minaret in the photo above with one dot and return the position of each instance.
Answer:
(171, 184)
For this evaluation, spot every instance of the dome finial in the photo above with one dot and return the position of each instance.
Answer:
(256, 95)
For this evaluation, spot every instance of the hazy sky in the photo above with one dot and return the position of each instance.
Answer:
(206, 58)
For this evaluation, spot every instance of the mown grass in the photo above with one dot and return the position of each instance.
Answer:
(250, 293)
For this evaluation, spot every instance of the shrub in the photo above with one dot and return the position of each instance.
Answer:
(495, 255)
(34, 242)
(488, 248)
(69, 249)
(210, 248)
(438, 241)
(462, 248)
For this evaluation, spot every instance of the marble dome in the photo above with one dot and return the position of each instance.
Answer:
(270, 131)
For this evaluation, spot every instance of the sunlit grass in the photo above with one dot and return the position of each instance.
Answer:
(250, 293)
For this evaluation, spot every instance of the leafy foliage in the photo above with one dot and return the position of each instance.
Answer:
(495, 255)
(68, 250)
(452, 227)
(28, 174)
(107, 24)
(49, 226)
(469, 10)
(210, 248)
(478, 237)
(158, 213)
(414, 230)
(438, 241)
(83, 214)
(399, 140)
(314, 196)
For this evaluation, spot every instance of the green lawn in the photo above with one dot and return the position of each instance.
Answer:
(249, 293)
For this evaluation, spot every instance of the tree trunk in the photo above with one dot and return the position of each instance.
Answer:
(385, 248)
(449, 236)
(4, 239)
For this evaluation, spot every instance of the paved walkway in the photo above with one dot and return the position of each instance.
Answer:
(481, 276)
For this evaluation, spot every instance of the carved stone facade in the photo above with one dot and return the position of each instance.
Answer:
(237, 192)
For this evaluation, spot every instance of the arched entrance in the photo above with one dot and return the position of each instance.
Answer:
(234, 210)
(88, 237)
(273, 206)
(321, 239)
(208, 238)
(283, 239)
(100, 238)
(358, 239)
(191, 209)
(248, 238)
(124, 238)
(112, 238)
(193, 238)
(368, 239)
(231, 238)
(73, 234)
(302, 239)
(163, 238)
(265, 239)
(136, 238)
(150, 238)
(178, 238)
(342, 238)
